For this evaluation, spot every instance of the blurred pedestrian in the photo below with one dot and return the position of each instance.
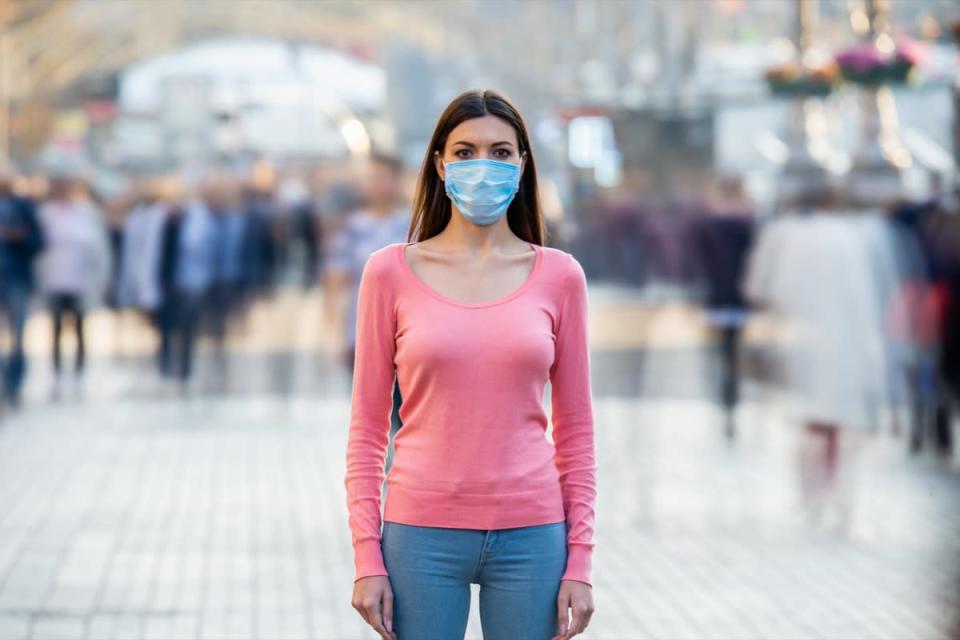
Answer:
(188, 265)
(138, 286)
(227, 235)
(916, 313)
(301, 227)
(943, 236)
(75, 266)
(384, 219)
(258, 245)
(721, 239)
(829, 275)
(21, 239)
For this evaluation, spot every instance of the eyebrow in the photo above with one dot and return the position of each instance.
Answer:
(473, 146)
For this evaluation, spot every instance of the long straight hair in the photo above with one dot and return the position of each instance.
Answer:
(431, 206)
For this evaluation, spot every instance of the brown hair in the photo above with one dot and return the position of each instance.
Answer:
(431, 206)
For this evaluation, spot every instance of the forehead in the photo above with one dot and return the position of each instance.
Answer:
(485, 130)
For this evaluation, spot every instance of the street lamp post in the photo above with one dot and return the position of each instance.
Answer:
(805, 169)
(876, 176)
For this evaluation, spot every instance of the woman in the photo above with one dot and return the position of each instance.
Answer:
(828, 275)
(473, 319)
(75, 264)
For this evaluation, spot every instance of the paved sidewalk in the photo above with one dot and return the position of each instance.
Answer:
(225, 518)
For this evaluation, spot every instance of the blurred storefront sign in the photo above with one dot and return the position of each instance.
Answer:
(675, 149)
(137, 140)
(69, 132)
(100, 112)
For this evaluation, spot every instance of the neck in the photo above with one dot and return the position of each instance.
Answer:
(474, 238)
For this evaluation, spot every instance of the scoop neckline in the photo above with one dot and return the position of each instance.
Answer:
(408, 269)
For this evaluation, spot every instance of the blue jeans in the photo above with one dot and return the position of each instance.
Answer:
(518, 570)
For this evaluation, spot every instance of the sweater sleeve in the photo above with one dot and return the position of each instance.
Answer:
(371, 404)
(573, 430)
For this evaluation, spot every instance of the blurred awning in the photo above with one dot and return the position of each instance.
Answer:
(48, 44)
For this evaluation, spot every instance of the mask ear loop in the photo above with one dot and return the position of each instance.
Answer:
(443, 177)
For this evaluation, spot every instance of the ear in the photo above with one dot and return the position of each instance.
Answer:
(523, 162)
(438, 163)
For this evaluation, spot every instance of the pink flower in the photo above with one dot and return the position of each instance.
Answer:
(865, 56)
(911, 51)
(860, 57)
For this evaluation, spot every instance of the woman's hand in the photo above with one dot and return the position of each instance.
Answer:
(373, 598)
(577, 596)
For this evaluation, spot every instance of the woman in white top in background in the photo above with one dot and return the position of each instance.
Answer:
(829, 274)
(75, 264)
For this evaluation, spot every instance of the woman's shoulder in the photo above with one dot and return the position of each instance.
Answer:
(560, 265)
(387, 254)
(385, 261)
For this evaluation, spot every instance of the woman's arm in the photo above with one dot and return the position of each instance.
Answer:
(371, 404)
(573, 433)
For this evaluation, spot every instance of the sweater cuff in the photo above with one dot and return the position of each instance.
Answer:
(579, 563)
(368, 559)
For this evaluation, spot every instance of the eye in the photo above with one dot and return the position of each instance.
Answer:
(502, 153)
(462, 151)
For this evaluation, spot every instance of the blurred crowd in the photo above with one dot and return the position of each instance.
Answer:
(867, 300)
(188, 254)
(861, 306)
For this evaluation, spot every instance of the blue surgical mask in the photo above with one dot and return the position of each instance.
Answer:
(482, 189)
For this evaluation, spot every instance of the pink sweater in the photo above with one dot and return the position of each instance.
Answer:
(472, 452)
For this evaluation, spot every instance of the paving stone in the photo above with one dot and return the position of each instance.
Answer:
(133, 516)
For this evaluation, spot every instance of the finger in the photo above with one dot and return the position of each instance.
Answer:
(379, 618)
(388, 611)
(371, 613)
(365, 616)
(572, 629)
(384, 634)
(376, 621)
(578, 624)
(586, 621)
(563, 616)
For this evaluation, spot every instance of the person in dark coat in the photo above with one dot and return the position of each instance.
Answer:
(169, 311)
(21, 239)
(722, 238)
(940, 230)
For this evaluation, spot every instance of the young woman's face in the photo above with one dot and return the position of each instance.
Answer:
(487, 137)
